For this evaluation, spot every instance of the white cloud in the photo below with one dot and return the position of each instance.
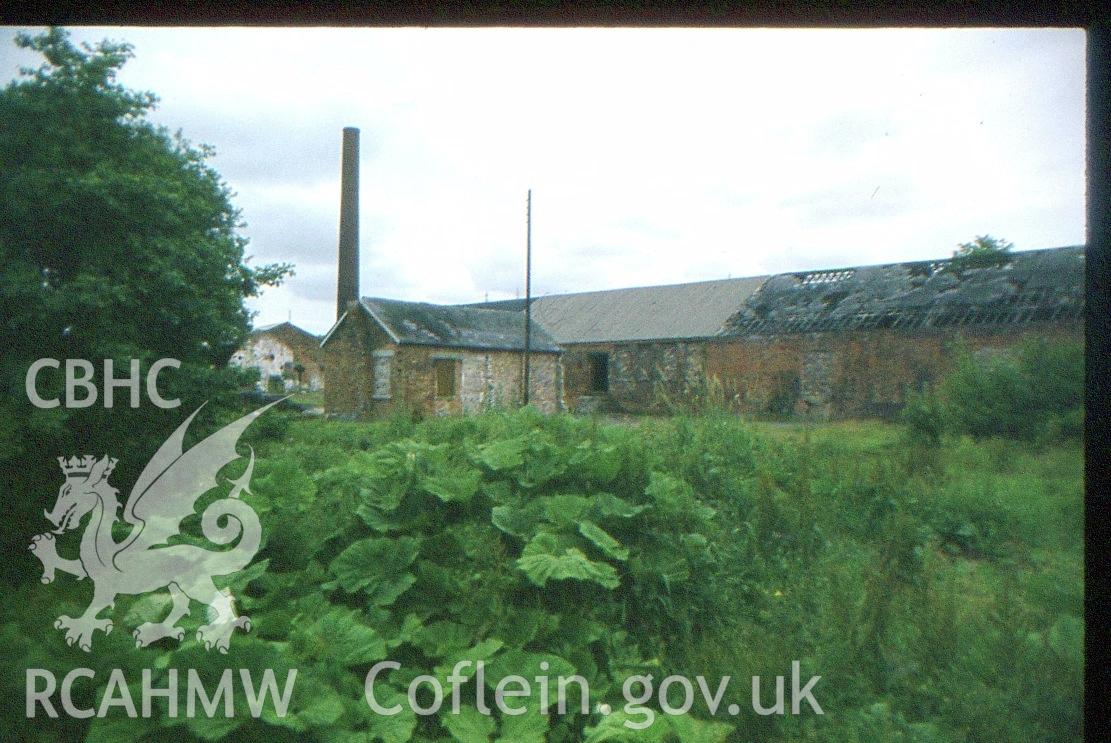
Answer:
(655, 155)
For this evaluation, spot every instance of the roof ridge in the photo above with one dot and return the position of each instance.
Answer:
(453, 307)
(432, 324)
(275, 325)
(755, 277)
(919, 261)
(618, 289)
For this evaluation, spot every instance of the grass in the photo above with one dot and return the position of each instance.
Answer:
(313, 398)
(866, 435)
(948, 613)
(938, 591)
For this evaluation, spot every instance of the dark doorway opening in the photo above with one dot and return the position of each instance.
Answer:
(599, 366)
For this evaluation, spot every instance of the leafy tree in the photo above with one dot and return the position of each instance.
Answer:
(983, 252)
(117, 241)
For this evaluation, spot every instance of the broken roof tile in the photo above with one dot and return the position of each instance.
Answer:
(1035, 285)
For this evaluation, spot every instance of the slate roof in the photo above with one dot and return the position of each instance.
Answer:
(449, 326)
(1037, 285)
(291, 326)
(671, 312)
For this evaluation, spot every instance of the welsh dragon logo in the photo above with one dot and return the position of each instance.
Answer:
(165, 493)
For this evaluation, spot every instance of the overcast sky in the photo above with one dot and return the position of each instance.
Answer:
(655, 156)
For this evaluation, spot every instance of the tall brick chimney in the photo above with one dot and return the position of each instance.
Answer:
(347, 286)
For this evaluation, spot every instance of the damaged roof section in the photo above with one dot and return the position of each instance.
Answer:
(1034, 286)
(424, 324)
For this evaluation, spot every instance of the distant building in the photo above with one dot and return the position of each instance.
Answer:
(843, 342)
(385, 356)
(286, 356)
(626, 348)
(851, 342)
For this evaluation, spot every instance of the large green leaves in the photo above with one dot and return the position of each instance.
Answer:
(395, 728)
(546, 557)
(603, 541)
(339, 636)
(502, 455)
(467, 660)
(528, 665)
(519, 519)
(459, 486)
(639, 726)
(510, 570)
(530, 727)
(442, 638)
(376, 566)
(468, 725)
(597, 464)
(522, 517)
(533, 460)
(606, 505)
(452, 561)
(674, 500)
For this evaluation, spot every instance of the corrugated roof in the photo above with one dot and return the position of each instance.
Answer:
(451, 326)
(1036, 285)
(674, 311)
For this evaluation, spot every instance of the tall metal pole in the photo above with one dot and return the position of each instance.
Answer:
(528, 289)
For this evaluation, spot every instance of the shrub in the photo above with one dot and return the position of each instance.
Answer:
(1033, 393)
(924, 417)
(983, 252)
(984, 397)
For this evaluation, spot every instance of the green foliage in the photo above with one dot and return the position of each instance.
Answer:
(696, 395)
(986, 397)
(924, 417)
(547, 557)
(1034, 394)
(376, 566)
(1054, 373)
(940, 605)
(118, 241)
(983, 252)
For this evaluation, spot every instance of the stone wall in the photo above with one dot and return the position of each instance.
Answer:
(277, 353)
(483, 379)
(642, 376)
(349, 390)
(863, 373)
(578, 392)
(854, 374)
